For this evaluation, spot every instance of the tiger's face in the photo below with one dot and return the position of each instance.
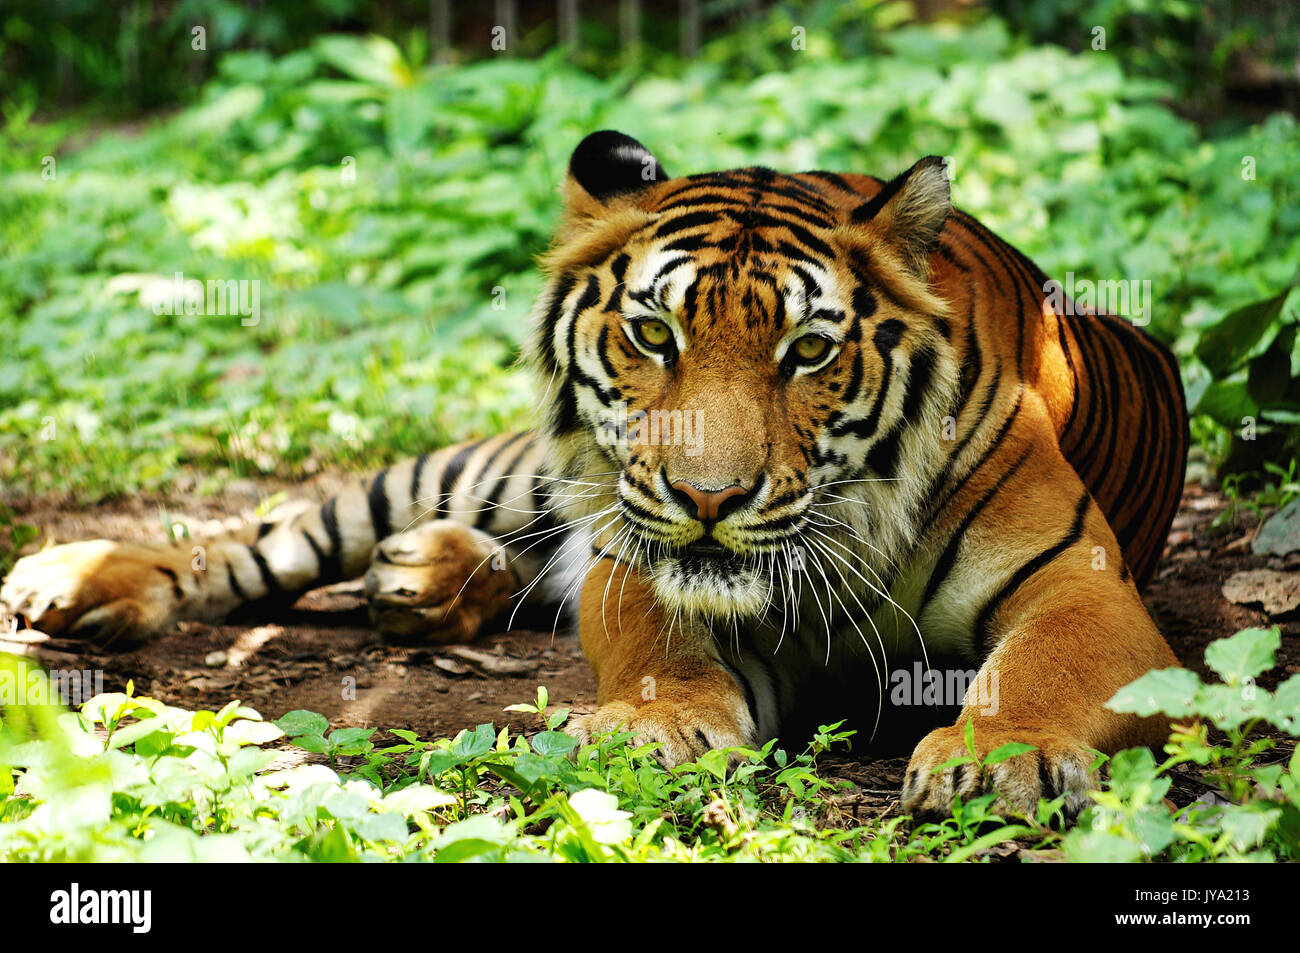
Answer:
(731, 357)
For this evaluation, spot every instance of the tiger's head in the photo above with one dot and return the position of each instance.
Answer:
(744, 372)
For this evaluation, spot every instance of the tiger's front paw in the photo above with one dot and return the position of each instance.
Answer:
(1058, 767)
(97, 589)
(683, 730)
(438, 583)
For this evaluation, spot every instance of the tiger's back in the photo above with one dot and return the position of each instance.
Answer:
(1113, 393)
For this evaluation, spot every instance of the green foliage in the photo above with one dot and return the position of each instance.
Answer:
(14, 535)
(392, 301)
(130, 778)
(1248, 382)
(1256, 813)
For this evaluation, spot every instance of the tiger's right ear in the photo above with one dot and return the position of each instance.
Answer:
(909, 211)
(607, 172)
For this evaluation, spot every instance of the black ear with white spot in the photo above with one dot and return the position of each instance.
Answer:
(910, 210)
(609, 167)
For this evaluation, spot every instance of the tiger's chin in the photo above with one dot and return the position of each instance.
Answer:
(710, 587)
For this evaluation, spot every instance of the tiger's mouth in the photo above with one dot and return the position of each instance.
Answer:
(707, 578)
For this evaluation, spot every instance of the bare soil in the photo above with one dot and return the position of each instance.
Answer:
(322, 655)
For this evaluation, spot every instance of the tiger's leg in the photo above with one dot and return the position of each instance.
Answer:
(109, 590)
(1067, 630)
(660, 679)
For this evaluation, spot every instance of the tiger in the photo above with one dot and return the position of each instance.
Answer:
(797, 432)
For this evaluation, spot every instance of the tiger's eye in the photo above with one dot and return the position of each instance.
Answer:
(811, 348)
(654, 334)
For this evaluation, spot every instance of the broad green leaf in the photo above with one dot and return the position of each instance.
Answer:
(1168, 690)
(1247, 824)
(1223, 346)
(1244, 655)
(553, 744)
(1285, 708)
(301, 722)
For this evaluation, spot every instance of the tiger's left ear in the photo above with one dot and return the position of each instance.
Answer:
(909, 211)
(608, 171)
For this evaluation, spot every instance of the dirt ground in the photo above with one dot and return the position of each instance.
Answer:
(322, 655)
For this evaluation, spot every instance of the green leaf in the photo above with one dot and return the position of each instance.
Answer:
(301, 722)
(1285, 709)
(1223, 346)
(715, 763)
(1247, 824)
(1101, 847)
(1168, 690)
(1230, 706)
(991, 839)
(1244, 655)
(1227, 402)
(1008, 750)
(476, 743)
(314, 743)
(553, 744)
(351, 741)
(374, 59)
(1270, 373)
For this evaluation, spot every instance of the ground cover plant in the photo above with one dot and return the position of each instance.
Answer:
(128, 778)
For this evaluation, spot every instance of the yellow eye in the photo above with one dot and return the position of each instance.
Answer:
(811, 348)
(655, 335)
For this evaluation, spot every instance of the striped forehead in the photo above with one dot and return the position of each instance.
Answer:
(809, 290)
(659, 282)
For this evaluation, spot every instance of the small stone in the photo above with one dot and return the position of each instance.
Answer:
(216, 659)
(1280, 533)
(1277, 592)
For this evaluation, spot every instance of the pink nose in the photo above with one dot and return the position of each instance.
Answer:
(708, 503)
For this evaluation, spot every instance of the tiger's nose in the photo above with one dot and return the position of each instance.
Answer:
(709, 505)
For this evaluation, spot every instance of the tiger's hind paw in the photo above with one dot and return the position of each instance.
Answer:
(99, 590)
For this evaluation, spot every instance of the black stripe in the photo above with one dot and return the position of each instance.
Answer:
(321, 558)
(329, 518)
(1018, 578)
(833, 178)
(452, 471)
(235, 587)
(268, 578)
(939, 574)
(484, 517)
(416, 472)
(379, 506)
(177, 591)
(546, 348)
(683, 222)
